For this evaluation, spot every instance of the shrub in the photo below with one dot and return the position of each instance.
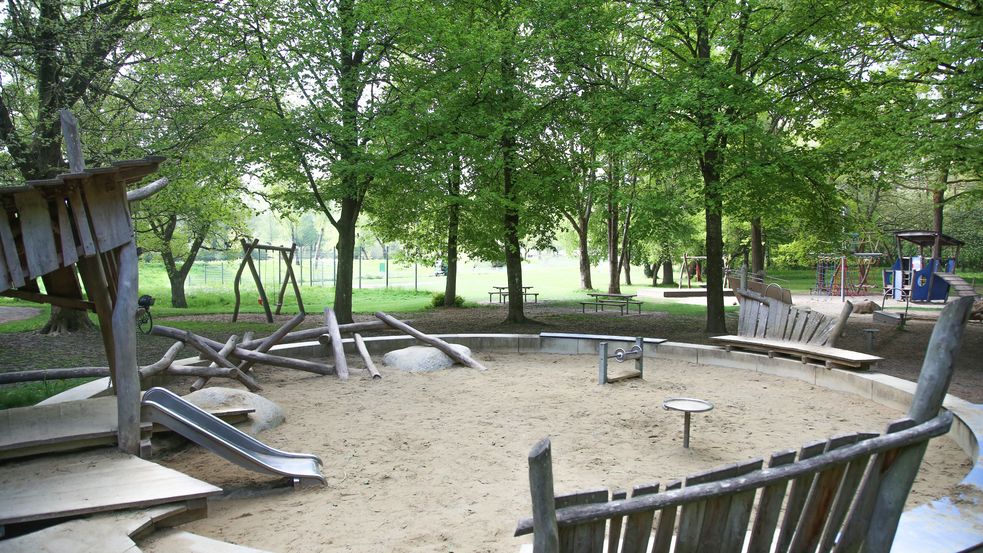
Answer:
(438, 300)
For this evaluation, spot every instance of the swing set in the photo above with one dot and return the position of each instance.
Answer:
(287, 255)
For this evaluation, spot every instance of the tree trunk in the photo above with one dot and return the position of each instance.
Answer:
(757, 248)
(713, 204)
(938, 205)
(585, 280)
(668, 277)
(64, 320)
(614, 268)
(453, 224)
(346, 260)
(513, 252)
(627, 262)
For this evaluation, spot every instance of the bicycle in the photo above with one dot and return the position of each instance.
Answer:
(145, 321)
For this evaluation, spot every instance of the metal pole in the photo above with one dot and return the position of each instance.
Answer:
(602, 363)
(639, 364)
(843, 278)
(686, 429)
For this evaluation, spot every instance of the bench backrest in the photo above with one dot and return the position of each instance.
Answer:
(764, 317)
(758, 286)
(832, 493)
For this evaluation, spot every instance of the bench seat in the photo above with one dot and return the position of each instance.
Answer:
(832, 356)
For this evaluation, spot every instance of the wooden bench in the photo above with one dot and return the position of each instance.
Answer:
(525, 296)
(772, 326)
(832, 500)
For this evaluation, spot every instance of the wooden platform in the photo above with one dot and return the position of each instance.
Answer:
(54, 487)
(71, 426)
(832, 357)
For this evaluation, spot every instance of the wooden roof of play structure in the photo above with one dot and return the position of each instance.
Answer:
(926, 238)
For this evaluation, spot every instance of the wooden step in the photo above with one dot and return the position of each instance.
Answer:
(179, 541)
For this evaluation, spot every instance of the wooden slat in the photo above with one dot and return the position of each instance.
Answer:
(667, 524)
(775, 310)
(37, 235)
(762, 325)
(797, 495)
(614, 527)
(781, 323)
(80, 220)
(844, 498)
(815, 321)
(66, 238)
(821, 336)
(638, 527)
(582, 538)
(840, 356)
(800, 322)
(752, 318)
(105, 201)
(725, 520)
(816, 510)
(11, 261)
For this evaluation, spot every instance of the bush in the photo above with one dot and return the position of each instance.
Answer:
(438, 300)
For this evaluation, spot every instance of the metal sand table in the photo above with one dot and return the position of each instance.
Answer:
(687, 406)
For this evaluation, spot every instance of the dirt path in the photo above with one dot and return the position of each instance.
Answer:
(8, 314)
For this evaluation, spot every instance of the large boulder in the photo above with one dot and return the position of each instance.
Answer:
(422, 358)
(267, 414)
(866, 307)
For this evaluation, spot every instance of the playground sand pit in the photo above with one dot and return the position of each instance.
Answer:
(437, 461)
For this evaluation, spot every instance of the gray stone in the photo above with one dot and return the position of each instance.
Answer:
(422, 358)
(866, 307)
(267, 415)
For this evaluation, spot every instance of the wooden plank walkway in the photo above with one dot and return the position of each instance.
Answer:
(91, 482)
(958, 284)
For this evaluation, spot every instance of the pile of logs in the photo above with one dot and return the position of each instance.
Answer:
(234, 358)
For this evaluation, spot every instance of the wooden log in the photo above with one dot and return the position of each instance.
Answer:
(435, 342)
(195, 341)
(147, 191)
(317, 333)
(125, 351)
(274, 339)
(834, 334)
(364, 352)
(230, 344)
(53, 374)
(240, 353)
(340, 363)
(202, 372)
(164, 362)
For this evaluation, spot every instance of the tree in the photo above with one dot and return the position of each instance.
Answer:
(54, 55)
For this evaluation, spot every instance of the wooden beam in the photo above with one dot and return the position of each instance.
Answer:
(37, 297)
(164, 362)
(366, 358)
(340, 363)
(230, 345)
(147, 191)
(125, 352)
(274, 339)
(195, 341)
(53, 374)
(317, 333)
(435, 342)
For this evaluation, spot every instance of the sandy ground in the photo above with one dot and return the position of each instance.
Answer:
(437, 462)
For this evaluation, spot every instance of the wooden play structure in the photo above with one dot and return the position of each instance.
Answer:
(916, 277)
(78, 226)
(776, 328)
(690, 272)
(287, 256)
(741, 280)
(842, 494)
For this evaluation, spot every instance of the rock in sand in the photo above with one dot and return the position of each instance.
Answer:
(422, 358)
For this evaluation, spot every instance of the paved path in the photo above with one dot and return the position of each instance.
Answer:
(8, 314)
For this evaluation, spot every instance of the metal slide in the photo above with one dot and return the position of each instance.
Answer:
(164, 407)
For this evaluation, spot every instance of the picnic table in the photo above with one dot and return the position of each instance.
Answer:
(623, 302)
(503, 294)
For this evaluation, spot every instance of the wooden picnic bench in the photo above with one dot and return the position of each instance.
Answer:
(771, 326)
(841, 494)
(623, 302)
(503, 294)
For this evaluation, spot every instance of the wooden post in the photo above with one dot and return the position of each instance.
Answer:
(210, 354)
(435, 342)
(340, 363)
(545, 533)
(933, 382)
(288, 258)
(834, 334)
(317, 333)
(73, 142)
(125, 352)
(246, 250)
(364, 352)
